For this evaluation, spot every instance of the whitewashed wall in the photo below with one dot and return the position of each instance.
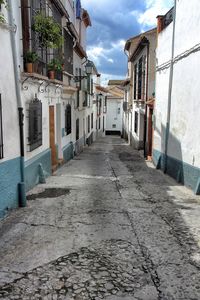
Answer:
(185, 110)
(114, 114)
(8, 95)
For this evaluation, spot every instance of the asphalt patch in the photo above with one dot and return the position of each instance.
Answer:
(49, 193)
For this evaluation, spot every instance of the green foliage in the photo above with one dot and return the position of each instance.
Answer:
(2, 2)
(2, 19)
(49, 31)
(30, 57)
(55, 65)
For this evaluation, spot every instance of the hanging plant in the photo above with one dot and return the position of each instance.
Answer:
(2, 18)
(49, 31)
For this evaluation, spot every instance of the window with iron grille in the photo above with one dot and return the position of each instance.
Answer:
(68, 51)
(35, 124)
(140, 78)
(68, 119)
(85, 100)
(1, 131)
(92, 120)
(88, 124)
(31, 39)
(77, 129)
(135, 80)
(136, 122)
(105, 105)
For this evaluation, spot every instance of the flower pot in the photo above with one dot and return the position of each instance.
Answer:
(51, 74)
(29, 67)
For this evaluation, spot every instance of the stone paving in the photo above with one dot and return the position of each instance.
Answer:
(106, 226)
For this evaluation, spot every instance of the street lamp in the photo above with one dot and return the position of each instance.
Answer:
(88, 71)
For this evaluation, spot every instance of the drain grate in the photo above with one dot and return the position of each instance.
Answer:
(49, 193)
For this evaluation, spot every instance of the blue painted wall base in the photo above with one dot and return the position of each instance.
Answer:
(10, 174)
(68, 152)
(33, 168)
(179, 170)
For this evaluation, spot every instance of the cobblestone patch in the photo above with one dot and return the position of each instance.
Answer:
(116, 268)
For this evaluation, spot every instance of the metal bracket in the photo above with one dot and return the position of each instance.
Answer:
(25, 87)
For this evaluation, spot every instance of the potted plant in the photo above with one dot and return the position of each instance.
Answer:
(49, 31)
(30, 58)
(2, 18)
(54, 65)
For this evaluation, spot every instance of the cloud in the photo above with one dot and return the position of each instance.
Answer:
(113, 22)
(153, 9)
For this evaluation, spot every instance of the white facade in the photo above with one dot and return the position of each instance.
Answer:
(183, 148)
(114, 114)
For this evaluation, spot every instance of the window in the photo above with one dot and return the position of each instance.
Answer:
(32, 40)
(99, 123)
(135, 80)
(103, 123)
(136, 122)
(140, 78)
(68, 51)
(68, 119)
(35, 124)
(92, 120)
(77, 129)
(105, 105)
(1, 131)
(85, 99)
(77, 98)
(88, 124)
(118, 110)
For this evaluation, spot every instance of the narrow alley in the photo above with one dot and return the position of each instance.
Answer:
(107, 225)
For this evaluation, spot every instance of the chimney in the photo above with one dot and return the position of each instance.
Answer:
(99, 79)
(159, 24)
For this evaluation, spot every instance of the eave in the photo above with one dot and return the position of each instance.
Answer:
(86, 18)
(80, 51)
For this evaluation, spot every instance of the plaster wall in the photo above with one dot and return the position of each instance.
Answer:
(114, 114)
(183, 144)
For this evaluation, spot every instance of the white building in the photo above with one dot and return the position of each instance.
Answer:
(177, 130)
(57, 112)
(139, 90)
(114, 107)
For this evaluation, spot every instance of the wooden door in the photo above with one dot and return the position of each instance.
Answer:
(52, 137)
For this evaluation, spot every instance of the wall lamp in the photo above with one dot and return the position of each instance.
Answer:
(88, 71)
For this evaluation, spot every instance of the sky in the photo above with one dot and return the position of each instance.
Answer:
(113, 22)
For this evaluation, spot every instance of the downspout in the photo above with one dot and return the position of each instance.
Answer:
(21, 185)
(145, 115)
(170, 91)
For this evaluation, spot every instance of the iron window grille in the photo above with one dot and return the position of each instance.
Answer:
(68, 52)
(77, 129)
(35, 124)
(31, 40)
(1, 131)
(92, 120)
(140, 78)
(85, 100)
(88, 124)
(68, 119)
(136, 122)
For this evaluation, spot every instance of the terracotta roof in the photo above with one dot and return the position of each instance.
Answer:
(115, 82)
(86, 18)
(102, 89)
(133, 42)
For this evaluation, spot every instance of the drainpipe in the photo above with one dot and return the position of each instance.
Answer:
(21, 185)
(170, 91)
(145, 115)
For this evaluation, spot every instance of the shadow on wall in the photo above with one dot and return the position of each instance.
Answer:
(173, 164)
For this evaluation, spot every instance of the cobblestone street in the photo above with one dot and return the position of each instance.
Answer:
(107, 225)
